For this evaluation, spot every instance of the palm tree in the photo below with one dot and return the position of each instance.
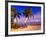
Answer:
(13, 12)
(28, 12)
(13, 15)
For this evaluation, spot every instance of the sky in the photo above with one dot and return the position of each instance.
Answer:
(21, 9)
(35, 10)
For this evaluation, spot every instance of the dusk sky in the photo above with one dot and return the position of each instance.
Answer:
(21, 9)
